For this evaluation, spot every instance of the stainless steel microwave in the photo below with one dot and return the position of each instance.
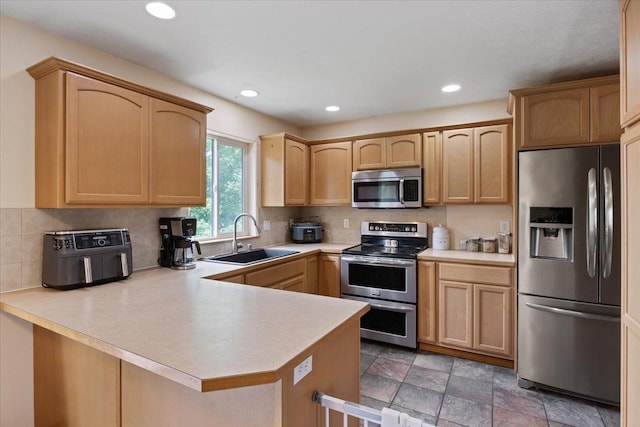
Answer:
(387, 188)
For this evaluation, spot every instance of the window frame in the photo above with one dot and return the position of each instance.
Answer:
(247, 175)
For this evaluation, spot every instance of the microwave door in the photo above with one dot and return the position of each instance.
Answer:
(372, 193)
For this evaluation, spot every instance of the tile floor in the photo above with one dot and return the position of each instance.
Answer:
(449, 391)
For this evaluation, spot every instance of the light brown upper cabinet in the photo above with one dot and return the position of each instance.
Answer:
(107, 150)
(284, 170)
(491, 164)
(177, 155)
(629, 62)
(104, 141)
(331, 174)
(457, 166)
(388, 153)
(570, 113)
(475, 165)
(432, 168)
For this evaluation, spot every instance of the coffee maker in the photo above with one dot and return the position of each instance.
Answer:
(176, 250)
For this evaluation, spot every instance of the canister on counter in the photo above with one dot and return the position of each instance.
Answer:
(440, 237)
(504, 243)
(489, 244)
(474, 244)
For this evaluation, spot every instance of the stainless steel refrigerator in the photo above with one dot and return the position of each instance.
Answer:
(569, 271)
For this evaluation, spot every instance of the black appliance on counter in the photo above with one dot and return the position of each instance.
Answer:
(75, 259)
(176, 251)
(382, 270)
(306, 230)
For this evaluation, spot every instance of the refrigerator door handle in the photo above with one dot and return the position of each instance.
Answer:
(608, 222)
(592, 222)
(573, 313)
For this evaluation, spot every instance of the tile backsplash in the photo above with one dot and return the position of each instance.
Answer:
(21, 231)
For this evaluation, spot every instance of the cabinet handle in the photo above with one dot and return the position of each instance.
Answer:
(573, 313)
(608, 222)
(592, 222)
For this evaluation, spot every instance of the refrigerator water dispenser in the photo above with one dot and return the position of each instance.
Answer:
(551, 233)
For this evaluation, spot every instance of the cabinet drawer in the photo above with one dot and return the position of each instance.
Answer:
(276, 274)
(476, 274)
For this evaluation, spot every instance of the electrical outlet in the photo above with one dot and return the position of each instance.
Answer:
(302, 370)
(266, 225)
(345, 222)
(505, 226)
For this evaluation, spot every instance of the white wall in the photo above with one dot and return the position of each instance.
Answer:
(478, 112)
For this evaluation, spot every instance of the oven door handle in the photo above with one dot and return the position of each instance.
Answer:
(393, 262)
(401, 309)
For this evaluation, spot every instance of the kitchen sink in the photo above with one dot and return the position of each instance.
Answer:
(250, 257)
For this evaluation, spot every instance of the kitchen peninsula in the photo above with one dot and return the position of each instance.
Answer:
(168, 347)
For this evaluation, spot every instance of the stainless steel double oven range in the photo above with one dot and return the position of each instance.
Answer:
(382, 270)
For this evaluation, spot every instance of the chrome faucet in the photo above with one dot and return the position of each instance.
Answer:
(235, 244)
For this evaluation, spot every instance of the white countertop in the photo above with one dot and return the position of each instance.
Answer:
(204, 334)
(507, 260)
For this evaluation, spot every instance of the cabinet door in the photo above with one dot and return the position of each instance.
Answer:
(404, 151)
(74, 384)
(369, 154)
(329, 275)
(555, 118)
(331, 174)
(455, 314)
(296, 173)
(457, 163)
(491, 161)
(107, 143)
(278, 274)
(432, 164)
(605, 113)
(311, 275)
(427, 302)
(178, 169)
(295, 284)
(492, 319)
(629, 62)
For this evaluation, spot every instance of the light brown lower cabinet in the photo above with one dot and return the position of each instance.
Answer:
(77, 386)
(289, 276)
(329, 275)
(475, 310)
(427, 304)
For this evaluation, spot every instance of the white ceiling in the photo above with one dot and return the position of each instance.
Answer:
(368, 57)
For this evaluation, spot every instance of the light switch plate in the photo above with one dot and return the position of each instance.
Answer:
(302, 370)
(266, 225)
(505, 226)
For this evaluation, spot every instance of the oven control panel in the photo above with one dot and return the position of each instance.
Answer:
(393, 227)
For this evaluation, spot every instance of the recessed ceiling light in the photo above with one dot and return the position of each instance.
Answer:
(451, 88)
(160, 10)
(332, 108)
(249, 93)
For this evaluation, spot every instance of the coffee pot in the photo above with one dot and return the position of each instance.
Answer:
(177, 247)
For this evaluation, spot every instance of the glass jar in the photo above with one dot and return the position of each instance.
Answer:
(473, 244)
(488, 244)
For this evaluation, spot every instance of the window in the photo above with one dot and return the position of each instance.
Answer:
(226, 188)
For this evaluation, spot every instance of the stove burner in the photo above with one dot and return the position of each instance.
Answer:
(393, 240)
